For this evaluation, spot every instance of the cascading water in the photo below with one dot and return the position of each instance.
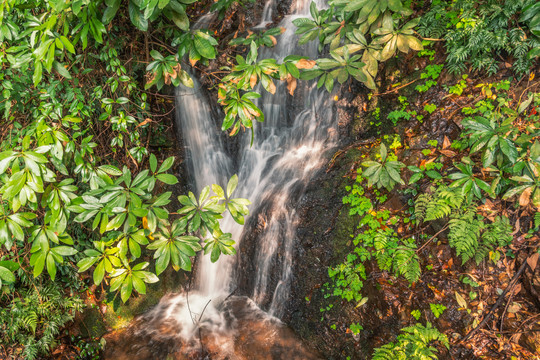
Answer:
(273, 172)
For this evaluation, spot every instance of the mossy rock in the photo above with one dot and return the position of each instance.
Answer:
(91, 324)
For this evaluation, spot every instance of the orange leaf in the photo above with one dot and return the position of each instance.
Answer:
(525, 196)
(253, 80)
(305, 64)
(533, 260)
(145, 222)
(291, 84)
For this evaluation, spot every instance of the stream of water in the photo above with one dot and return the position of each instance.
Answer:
(273, 173)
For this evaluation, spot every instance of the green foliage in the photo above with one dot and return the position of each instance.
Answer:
(236, 93)
(430, 169)
(346, 27)
(416, 314)
(264, 38)
(490, 135)
(221, 6)
(166, 71)
(356, 328)
(375, 241)
(437, 203)
(56, 29)
(437, 309)
(469, 234)
(531, 17)
(430, 108)
(413, 343)
(401, 113)
(348, 279)
(467, 181)
(477, 33)
(34, 315)
(459, 87)
(198, 45)
(385, 173)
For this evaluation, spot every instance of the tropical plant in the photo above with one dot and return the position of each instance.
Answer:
(386, 173)
(413, 343)
(35, 314)
(345, 27)
(264, 38)
(476, 33)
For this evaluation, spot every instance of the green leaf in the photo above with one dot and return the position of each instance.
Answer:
(137, 17)
(231, 186)
(64, 250)
(110, 11)
(6, 275)
(86, 263)
(166, 165)
(38, 68)
(51, 266)
(127, 288)
(167, 179)
(138, 284)
(99, 272)
(111, 170)
(153, 163)
(61, 70)
(69, 47)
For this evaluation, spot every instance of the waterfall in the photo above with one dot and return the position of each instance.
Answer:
(273, 173)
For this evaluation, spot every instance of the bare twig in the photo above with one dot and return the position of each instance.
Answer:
(433, 237)
(397, 88)
(344, 150)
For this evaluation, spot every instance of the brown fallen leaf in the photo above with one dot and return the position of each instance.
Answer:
(525, 196)
(446, 143)
(448, 153)
(533, 260)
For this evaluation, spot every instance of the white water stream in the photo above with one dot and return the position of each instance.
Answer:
(273, 173)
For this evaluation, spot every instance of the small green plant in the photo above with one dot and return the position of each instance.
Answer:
(430, 169)
(88, 349)
(437, 309)
(356, 328)
(401, 113)
(466, 180)
(430, 73)
(385, 173)
(469, 281)
(416, 314)
(430, 108)
(459, 87)
(413, 343)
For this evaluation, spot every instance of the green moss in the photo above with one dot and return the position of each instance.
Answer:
(91, 324)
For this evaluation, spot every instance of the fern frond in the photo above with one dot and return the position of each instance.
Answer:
(464, 233)
(413, 343)
(407, 263)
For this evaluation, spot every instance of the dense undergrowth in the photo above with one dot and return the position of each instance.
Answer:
(81, 191)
